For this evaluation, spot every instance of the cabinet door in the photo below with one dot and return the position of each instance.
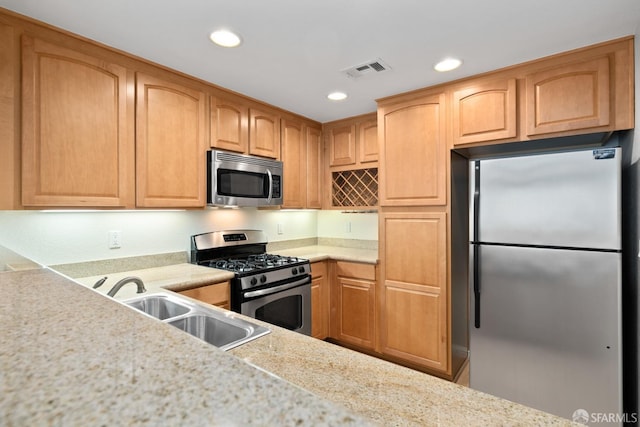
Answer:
(294, 154)
(353, 304)
(77, 140)
(170, 144)
(414, 148)
(264, 134)
(319, 301)
(217, 294)
(9, 117)
(342, 146)
(356, 311)
(368, 141)
(229, 125)
(568, 97)
(314, 168)
(486, 111)
(413, 304)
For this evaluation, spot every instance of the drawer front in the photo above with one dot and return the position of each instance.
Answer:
(318, 269)
(357, 270)
(217, 294)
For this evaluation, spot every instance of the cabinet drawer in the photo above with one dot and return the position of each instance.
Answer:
(217, 294)
(318, 269)
(358, 270)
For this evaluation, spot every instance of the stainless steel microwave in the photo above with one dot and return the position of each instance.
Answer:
(240, 180)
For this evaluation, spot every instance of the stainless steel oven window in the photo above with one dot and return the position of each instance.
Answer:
(290, 309)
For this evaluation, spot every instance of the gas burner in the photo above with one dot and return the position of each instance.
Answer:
(269, 260)
(258, 262)
(235, 265)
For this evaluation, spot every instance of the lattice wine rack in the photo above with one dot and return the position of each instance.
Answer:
(355, 187)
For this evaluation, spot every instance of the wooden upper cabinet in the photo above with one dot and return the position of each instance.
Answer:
(485, 111)
(342, 145)
(568, 97)
(294, 156)
(77, 133)
(229, 125)
(314, 167)
(413, 154)
(264, 133)
(10, 192)
(368, 141)
(170, 144)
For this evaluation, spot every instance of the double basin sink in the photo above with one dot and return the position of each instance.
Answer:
(217, 328)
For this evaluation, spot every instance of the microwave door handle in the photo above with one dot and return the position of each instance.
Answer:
(270, 186)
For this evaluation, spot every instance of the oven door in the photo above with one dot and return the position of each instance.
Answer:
(287, 305)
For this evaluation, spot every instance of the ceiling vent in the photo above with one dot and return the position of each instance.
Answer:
(369, 67)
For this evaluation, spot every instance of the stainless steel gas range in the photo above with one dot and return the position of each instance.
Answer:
(272, 288)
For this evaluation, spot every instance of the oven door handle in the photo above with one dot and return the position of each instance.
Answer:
(275, 289)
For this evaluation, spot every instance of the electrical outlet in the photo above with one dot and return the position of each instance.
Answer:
(347, 227)
(280, 228)
(115, 239)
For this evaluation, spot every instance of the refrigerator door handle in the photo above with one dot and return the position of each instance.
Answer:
(476, 247)
(476, 285)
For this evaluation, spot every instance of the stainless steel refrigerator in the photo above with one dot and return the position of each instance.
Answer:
(545, 288)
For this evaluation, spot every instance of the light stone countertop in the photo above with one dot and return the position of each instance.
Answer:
(372, 388)
(389, 394)
(177, 277)
(72, 357)
(320, 253)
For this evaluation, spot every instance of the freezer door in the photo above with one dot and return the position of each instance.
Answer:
(569, 199)
(550, 329)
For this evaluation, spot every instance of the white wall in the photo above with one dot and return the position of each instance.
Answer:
(336, 224)
(67, 237)
(60, 237)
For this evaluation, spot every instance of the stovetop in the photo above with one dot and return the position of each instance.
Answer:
(256, 263)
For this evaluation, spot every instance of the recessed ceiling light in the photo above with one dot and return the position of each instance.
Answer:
(447, 64)
(337, 96)
(225, 38)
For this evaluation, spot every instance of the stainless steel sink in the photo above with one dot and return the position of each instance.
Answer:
(215, 331)
(220, 329)
(159, 306)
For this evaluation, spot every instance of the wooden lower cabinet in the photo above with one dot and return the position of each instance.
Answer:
(413, 298)
(216, 294)
(353, 304)
(319, 300)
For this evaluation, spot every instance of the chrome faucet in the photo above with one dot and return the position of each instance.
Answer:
(124, 281)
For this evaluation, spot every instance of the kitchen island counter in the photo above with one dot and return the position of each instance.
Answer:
(387, 393)
(75, 357)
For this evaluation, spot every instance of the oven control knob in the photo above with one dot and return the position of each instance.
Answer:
(294, 270)
(254, 281)
(263, 278)
(300, 270)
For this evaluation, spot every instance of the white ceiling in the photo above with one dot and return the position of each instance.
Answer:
(293, 50)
